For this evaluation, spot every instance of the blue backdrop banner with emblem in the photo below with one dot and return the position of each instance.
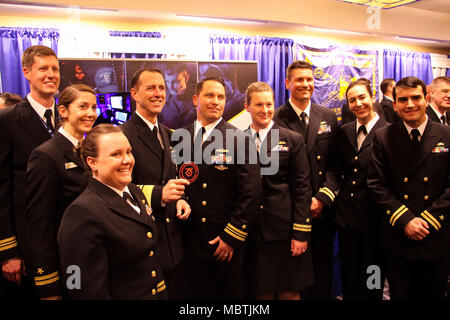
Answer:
(335, 68)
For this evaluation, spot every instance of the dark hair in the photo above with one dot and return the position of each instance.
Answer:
(71, 93)
(137, 75)
(89, 145)
(10, 99)
(360, 82)
(199, 85)
(256, 87)
(35, 51)
(298, 64)
(410, 82)
(385, 84)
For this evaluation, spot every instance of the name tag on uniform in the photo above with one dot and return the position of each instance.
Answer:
(70, 165)
(324, 128)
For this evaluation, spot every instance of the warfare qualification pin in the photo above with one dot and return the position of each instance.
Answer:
(189, 171)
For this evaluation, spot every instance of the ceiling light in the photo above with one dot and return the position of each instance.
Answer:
(219, 19)
(336, 31)
(418, 40)
(383, 4)
(37, 5)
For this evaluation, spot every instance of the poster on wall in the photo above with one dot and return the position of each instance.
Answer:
(334, 68)
(237, 77)
(104, 76)
(111, 80)
(181, 77)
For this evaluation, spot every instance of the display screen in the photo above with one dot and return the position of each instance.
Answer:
(117, 102)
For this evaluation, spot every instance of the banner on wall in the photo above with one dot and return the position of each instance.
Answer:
(334, 68)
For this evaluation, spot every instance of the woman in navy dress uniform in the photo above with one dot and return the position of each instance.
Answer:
(55, 177)
(107, 238)
(355, 212)
(279, 261)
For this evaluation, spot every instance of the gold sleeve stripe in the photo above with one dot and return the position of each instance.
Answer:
(7, 240)
(328, 192)
(397, 214)
(147, 191)
(432, 220)
(8, 243)
(302, 229)
(302, 226)
(240, 232)
(233, 233)
(47, 279)
(161, 286)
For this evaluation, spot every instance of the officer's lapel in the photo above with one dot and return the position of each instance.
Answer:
(314, 123)
(350, 132)
(428, 141)
(117, 204)
(368, 140)
(167, 156)
(292, 120)
(148, 137)
(31, 122)
(67, 149)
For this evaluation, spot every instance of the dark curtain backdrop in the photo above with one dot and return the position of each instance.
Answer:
(399, 64)
(273, 56)
(13, 42)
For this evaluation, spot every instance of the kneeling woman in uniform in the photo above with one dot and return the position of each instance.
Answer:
(55, 177)
(107, 236)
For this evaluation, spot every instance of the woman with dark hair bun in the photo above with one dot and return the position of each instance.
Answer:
(55, 177)
(107, 237)
(355, 212)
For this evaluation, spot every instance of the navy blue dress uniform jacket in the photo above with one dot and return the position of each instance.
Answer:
(153, 168)
(390, 115)
(21, 130)
(114, 247)
(56, 176)
(225, 197)
(354, 206)
(322, 127)
(286, 197)
(408, 184)
(433, 116)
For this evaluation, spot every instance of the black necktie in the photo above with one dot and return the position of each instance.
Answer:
(415, 137)
(48, 120)
(304, 119)
(155, 133)
(199, 137)
(128, 197)
(257, 141)
(362, 129)
(443, 120)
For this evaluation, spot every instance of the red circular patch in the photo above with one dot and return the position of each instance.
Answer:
(189, 171)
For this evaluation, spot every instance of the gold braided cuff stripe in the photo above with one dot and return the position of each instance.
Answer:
(161, 286)
(432, 220)
(302, 227)
(47, 279)
(147, 191)
(235, 232)
(328, 192)
(397, 214)
(8, 243)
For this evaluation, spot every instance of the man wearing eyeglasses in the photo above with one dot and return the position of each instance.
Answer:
(439, 107)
